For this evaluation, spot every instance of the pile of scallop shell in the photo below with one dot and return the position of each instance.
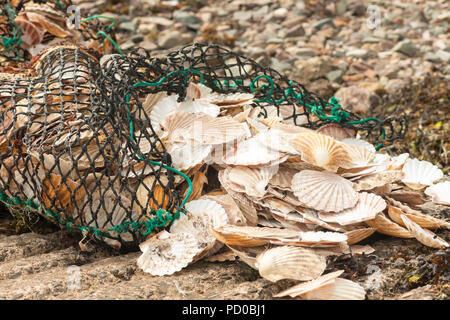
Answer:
(289, 196)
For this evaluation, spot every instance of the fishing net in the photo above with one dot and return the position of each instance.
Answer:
(77, 143)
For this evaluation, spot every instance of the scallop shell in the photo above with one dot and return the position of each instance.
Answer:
(283, 179)
(396, 215)
(209, 130)
(278, 140)
(247, 254)
(270, 223)
(102, 211)
(253, 153)
(360, 143)
(378, 180)
(398, 162)
(342, 250)
(314, 238)
(48, 25)
(166, 253)
(358, 235)
(419, 174)
(439, 193)
(322, 151)
(336, 131)
(203, 129)
(424, 236)
(324, 191)
(367, 208)
(246, 236)
(235, 215)
(290, 263)
(385, 226)
(230, 100)
(33, 34)
(340, 289)
(361, 155)
(253, 181)
(246, 206)
(418, 217)
(203, 215)
(150, 195)
(412, 198)
(423, 220)
(162, 109)
(306, 287)
(188, 155)
(196, 106)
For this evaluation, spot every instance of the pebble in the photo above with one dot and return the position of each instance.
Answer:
(357, 99)
(357, 53)
(295, 31)
(335, 75)
(170, 39)
(321, 23)
(137, 38)
(400, 262)
(305, 52)
(127, 26)
(188, 18)
(280, 13)
(242, 15)
(280, 66)
(406, 47)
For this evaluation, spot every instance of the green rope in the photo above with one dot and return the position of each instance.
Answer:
(59, 4)
(161, 218)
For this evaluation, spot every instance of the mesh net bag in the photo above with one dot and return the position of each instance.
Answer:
(77, 144)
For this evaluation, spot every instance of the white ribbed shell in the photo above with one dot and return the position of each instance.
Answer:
(419, 174)
(324, 191)
(439, 193)
(166, 253)
(340, 289)
(290, 263)
(424, 236)
(368, 206)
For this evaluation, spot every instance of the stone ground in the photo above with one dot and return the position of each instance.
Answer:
(371, 48)
(46, 266)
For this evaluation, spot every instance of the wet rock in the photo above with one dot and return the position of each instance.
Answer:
(127, 26)
(296, 31)
(305, 52)
(170, 39)
(314, 68)
(280, 13)
(357, 99)
(357, 53)
(335, 75)
(340, 7)
(188, 18)
(437, 57)
(242, 15)
(137, 38)
(406, 47)
(280, 66)
(321, 23)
